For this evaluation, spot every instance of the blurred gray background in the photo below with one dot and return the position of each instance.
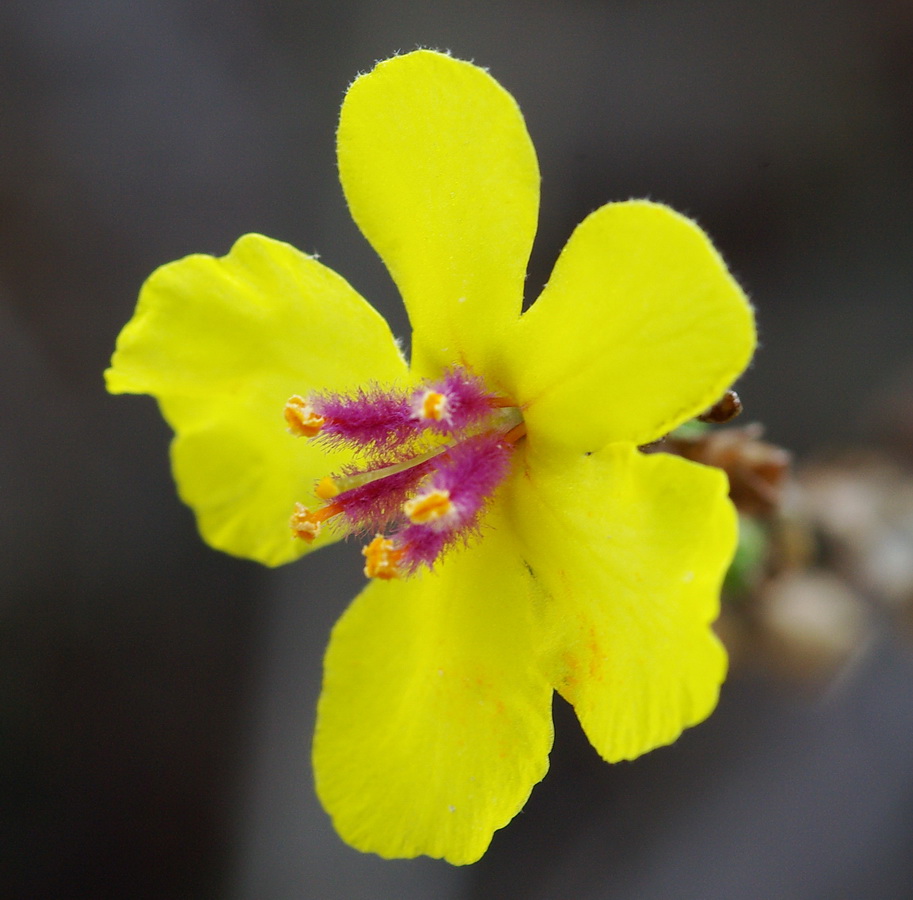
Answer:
(156, 698)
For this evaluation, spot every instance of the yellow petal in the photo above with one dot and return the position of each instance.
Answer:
(223, 343)
(435, 722)
(639, 328)
(442, 179)
(629, 552)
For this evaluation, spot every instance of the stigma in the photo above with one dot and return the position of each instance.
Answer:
(429, 461)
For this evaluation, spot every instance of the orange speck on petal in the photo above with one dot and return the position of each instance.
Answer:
(428, 507)
(570, 676)
(300, 417)
(381, 557)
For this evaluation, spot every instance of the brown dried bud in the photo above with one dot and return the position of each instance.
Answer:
(724, 410)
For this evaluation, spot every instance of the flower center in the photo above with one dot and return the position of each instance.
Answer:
(429, 462)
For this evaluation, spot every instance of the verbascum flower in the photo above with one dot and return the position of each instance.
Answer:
(518, 542)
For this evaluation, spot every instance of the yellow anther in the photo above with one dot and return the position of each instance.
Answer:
(381, 557)
(428, 507)
(306, 524)
(301, 419)
(433, 405)
(326, 488)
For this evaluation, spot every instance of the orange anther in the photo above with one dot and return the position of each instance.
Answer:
(301, 419)
(428, 507)
(306, 524)
(433, 406)
(303, 524)
(381, 557)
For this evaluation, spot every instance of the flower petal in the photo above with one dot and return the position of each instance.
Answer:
(442, 179)
(435, 722)
(629, 551)
(639, 328)
(222, 343)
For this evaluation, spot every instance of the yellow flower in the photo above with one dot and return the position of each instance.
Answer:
(588, 568)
